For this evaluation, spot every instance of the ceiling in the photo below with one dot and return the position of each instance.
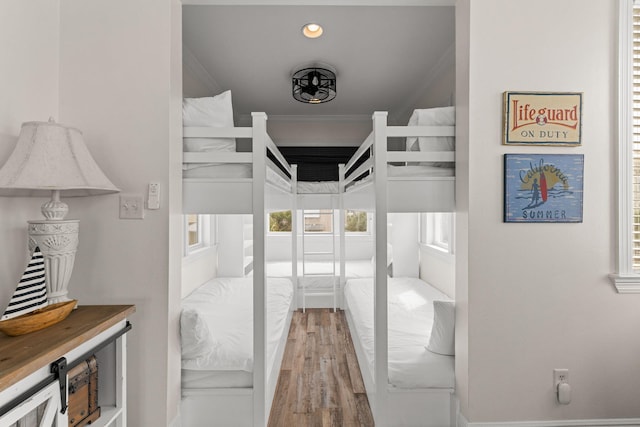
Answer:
(385, 57)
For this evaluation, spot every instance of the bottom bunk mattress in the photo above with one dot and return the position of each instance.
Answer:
(410, 319)
(216, 326)
(320, 270)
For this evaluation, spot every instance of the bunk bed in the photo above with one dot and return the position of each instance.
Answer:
(323, 268)
(419, 179)
(410, 382)
(230, 379)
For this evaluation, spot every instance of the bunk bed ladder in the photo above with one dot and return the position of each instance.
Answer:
(310, 255)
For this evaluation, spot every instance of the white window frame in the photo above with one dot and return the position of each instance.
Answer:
(356, 233)
(317, 213)
(432, 228)
(626, 280)
(207, 233)
(268, 224)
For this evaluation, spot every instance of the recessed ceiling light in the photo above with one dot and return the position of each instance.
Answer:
(312, 31)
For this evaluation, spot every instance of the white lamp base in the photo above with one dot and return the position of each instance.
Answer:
(58, 242)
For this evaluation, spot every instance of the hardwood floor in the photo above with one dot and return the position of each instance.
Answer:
(320, 384)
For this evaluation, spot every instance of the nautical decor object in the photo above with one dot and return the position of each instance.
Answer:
(28, 310)
(51, 159)
(314, 85)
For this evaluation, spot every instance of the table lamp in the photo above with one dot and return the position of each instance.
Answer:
(52, 159)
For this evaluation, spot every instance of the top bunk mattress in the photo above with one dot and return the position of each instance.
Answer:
(317, 187)
(231, 172)
(410, 319)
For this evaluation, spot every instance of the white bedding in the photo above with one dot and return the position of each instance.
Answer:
(217, 324)
(214, 111)
(234, 171)
(412, 170)
(216, 379)
(217, 112)
(410, 318)
(353, 269)
(317, 187)
(443, 116)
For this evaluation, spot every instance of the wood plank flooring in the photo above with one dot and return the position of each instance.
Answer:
(320, 384)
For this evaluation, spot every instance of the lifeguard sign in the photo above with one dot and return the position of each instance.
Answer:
(539, 118)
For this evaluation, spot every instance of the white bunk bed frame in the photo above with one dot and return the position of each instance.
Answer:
(428, 407)
(242, 406)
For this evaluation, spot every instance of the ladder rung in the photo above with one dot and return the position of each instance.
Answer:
(320, 275)
(319, 293)
(318, 253)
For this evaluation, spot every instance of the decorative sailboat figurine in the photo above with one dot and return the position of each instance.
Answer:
(28, 310)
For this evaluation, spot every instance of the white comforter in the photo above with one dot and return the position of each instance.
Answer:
(410, 318)
(216, 323)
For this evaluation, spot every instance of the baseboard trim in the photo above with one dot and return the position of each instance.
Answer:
(612, 422)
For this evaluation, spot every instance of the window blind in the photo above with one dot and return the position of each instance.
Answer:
(636, 136)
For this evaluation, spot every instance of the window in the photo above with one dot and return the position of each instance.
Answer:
(194, 232)
(627, 278)
(280, 222)
(436, 230)
(356, 222)
(199, 232)
(318, 221)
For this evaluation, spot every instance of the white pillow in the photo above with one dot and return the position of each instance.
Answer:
(442, 340)
(442, 116)
(216, 111)
(195, 335)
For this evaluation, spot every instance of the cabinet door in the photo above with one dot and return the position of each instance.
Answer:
(40, 410)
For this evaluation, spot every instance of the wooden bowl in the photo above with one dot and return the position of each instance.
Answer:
(39, 319)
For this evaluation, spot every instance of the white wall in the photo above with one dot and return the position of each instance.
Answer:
(403, 237)
(438, 269)
(118, 84)
(104, 67)
(538, 294)
(29, 71)
(439, 89)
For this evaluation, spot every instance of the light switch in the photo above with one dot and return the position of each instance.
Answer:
(131, 206)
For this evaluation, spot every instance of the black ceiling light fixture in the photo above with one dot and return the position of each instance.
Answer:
(314, 85)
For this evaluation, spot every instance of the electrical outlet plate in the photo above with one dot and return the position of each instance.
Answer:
(131, 206)
(560, 376)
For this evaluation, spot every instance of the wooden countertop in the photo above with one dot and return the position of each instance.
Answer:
(24, 354)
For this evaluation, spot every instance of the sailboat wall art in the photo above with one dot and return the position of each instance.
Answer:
(543, 187)
(28, 310)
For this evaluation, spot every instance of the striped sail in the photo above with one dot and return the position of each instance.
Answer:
(31, 292)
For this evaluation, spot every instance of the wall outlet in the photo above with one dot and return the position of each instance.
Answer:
(131, 206)
(560, 376)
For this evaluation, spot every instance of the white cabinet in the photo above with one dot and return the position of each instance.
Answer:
(31, 393)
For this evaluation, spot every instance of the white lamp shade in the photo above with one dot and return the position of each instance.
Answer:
(50, 156)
